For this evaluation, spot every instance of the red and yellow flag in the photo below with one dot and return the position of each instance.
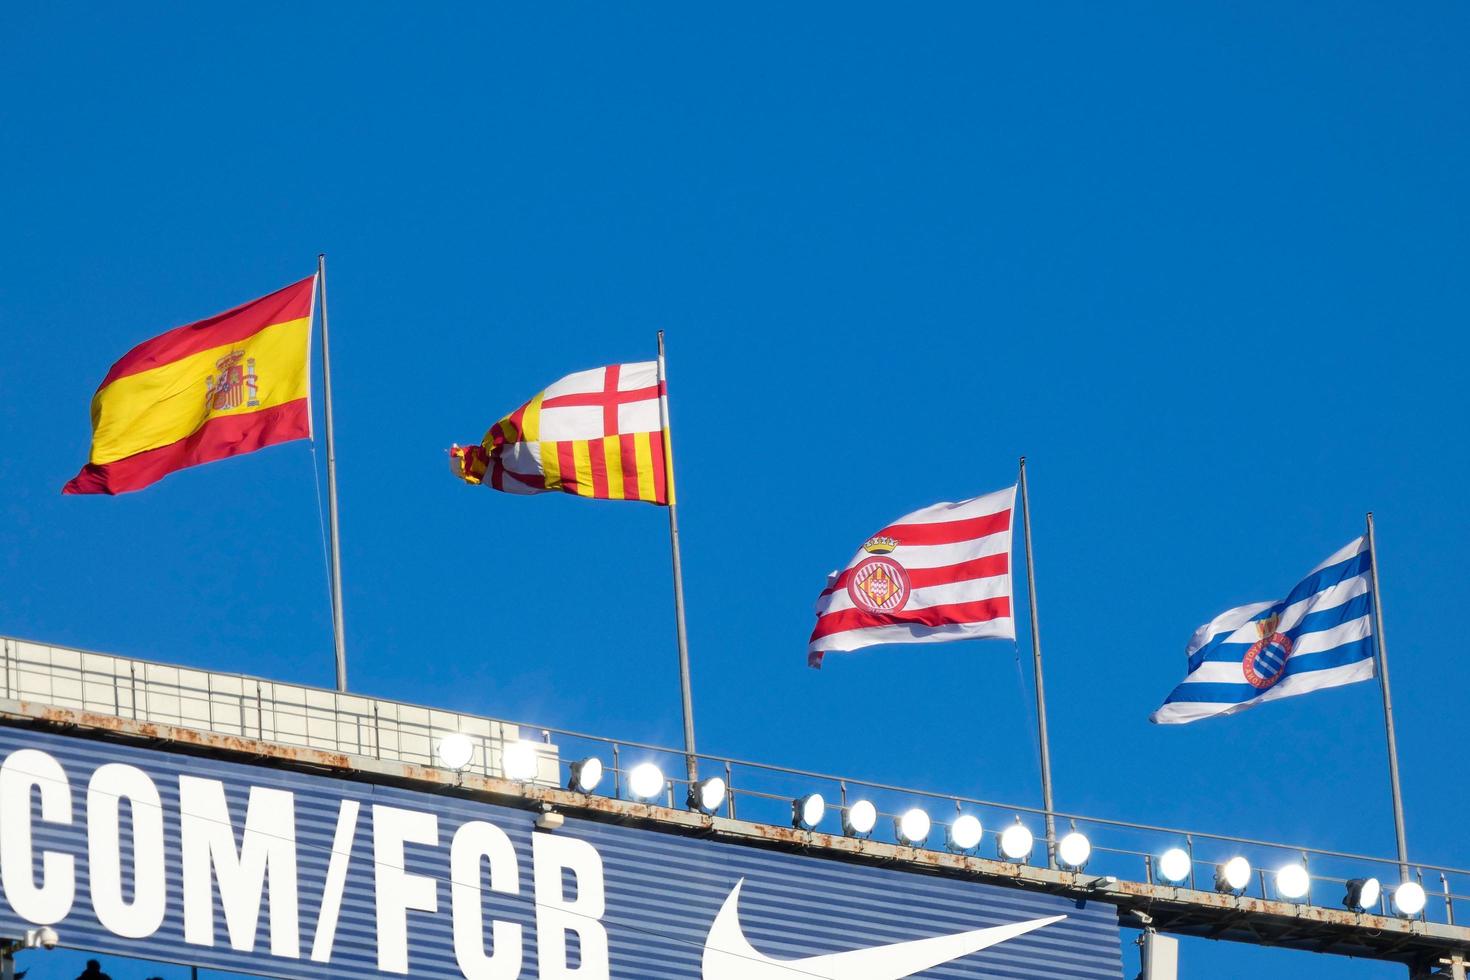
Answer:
(600, 433)
(231, 384)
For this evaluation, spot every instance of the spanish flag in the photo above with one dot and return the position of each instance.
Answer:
(601, 433)
(231, 384)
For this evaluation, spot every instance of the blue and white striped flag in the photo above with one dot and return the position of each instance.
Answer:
(1321, 635)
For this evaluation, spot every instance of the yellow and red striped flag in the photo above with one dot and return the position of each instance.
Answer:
(231, 384)
(600, 433)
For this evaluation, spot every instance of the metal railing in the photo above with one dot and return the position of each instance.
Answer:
(252, 707)
(236, 704)
(764, 793)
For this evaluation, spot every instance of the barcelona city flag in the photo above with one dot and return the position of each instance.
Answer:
(231, 384)
(601, 433)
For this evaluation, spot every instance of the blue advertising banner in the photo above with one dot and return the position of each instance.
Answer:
(140, 852)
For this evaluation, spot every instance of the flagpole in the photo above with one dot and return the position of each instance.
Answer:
(337, 633)
(1046, 798)
(691, 762)
(1383, 685)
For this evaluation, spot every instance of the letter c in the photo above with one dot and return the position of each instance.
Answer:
(23, 771)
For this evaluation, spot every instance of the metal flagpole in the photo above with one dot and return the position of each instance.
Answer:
(1393, 749)
(1051, 820)
(337, 633)
(690, 760)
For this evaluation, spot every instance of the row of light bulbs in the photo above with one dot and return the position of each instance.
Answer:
(913, 826)
(519, 762)
(646, 782)
(1293, 882)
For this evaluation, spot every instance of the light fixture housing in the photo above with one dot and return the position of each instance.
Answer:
(1409, 899)
(1233, 875)
(807, 811)
(707, 795)
(913, 826)
(1363, 894)
(1293, 882)
(965, 833)
(1073, 850)
(455, 750)
(519, 762)
(859, 819)
(1016, 842)
(1174, 865)
(645, 781)
(585, 774)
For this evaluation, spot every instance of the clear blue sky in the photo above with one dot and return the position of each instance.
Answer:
(1204, 264)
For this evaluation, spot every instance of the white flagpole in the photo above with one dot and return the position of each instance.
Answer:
(1381, 643)
(337, 632)
(691, 761)
(1046, 798)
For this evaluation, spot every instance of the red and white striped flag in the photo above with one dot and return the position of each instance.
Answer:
(941, 573)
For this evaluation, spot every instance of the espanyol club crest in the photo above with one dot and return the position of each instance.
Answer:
(879, 584)
(1265, 661)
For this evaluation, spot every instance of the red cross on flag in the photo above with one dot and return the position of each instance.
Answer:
(941, 573)
(601, 433)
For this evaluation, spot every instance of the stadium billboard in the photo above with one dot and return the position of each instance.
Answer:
(279, 872)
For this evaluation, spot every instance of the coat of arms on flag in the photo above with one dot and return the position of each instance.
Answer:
(941, 573)
(601, 433)
(231, 384)
(1319, 636)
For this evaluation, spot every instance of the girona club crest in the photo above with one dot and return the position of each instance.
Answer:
(1265, 661)
(235, 385)
(879, 584)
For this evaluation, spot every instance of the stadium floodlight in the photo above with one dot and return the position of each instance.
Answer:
(1016, 842)
(1174, 865)
(1073, 850)
(807, 811)
(586, 774)
(645, 781)
(965, 833)
(859, 819)
(1233, 875)
(1292, 881)
(1408, 899)
(707, 795)
(519, 761)
(913, 827)
(455, 750)
(1363, 894)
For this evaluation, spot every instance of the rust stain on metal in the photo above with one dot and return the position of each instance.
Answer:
(159, 731)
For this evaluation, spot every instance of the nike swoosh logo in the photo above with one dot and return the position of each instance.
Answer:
(729, 956)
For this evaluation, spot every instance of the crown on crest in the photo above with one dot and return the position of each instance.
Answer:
(881, 545)
(229, 360)
(1266, 627)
